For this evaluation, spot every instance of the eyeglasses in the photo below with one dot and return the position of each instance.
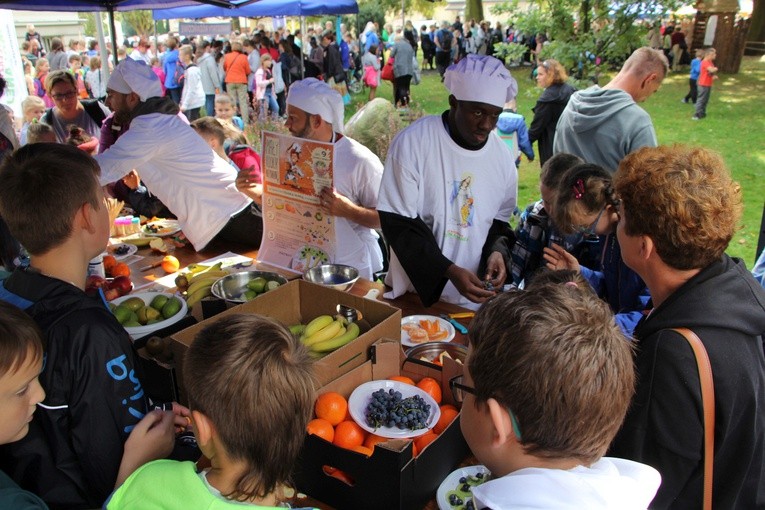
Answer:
(589, 231)
(64, 96)
(458, 393)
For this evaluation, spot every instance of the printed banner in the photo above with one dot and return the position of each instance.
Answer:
(297, 234)
(10, 64)
(191, 29)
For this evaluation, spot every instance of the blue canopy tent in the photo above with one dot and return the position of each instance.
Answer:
(109, 6)
(261, 8)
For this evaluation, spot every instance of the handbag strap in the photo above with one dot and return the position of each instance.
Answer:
(708, 406)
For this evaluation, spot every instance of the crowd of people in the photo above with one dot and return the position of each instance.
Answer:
(579, 391)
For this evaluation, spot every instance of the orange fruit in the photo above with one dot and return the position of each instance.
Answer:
(348, 435)
(448, 406)
(364, 450)
(109, 263)
(170, 264)
(424, 440)
(431, 387)
(448, 413)
(401, 378)
(321, 428)
(373, 439)
(332, 407)
(120, 269)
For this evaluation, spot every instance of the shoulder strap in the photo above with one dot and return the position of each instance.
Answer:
(94, 111)
(14, 299)
(708, 405)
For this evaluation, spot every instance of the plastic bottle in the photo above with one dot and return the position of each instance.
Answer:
(96, 266)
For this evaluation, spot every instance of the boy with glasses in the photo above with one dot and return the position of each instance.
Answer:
(545, 391)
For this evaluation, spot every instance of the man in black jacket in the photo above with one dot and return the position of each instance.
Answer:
(679, 211)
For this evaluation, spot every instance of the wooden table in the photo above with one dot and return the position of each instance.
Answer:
(409, 304)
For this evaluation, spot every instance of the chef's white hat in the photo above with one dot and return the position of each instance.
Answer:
(134, 76)
(482, 79)
(317, 98)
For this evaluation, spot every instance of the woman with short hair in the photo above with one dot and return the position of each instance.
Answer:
(68, 109)
(551, 76)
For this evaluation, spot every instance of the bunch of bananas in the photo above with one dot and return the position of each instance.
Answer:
(325, 333)
(196, 282)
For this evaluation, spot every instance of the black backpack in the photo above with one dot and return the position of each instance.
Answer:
(446, 40)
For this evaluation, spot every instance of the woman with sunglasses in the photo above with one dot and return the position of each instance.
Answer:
(551, 76)
(68, 110)
(586, 204)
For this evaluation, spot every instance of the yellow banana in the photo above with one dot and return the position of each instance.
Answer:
(197, 296)
(200, 283)
(211, 271)
(316, 325)
(338, 341)
(325, 334)
(196, 268)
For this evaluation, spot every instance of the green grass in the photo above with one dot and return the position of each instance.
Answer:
(734, 127)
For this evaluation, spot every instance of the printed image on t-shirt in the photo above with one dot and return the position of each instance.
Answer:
(461, 200)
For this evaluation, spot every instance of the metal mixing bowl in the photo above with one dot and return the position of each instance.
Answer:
(335, 276)
(232, 287)
(431, 350)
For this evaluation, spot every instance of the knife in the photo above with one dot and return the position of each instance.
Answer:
(459, 327)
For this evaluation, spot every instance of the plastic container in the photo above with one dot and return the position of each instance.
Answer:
(135, 224)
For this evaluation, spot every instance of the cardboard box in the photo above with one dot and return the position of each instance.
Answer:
(300, 301)
(390, 478)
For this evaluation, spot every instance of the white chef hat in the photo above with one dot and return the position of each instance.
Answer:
(134, 76)
(482, 79)
(317, 98)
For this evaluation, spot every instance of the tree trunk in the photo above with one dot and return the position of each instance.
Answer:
(757, 28)
(474, 10)
(584, 16)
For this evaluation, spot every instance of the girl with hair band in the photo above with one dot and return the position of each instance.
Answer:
(586, 204)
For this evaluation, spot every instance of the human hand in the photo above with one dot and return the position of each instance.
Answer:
(336, 204)
(495, 270)
(247, 184)
(152, 438)
(181, 417)
(132, 180)
(558, 258)
(468, 284)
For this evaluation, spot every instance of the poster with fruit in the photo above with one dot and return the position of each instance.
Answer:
(297, 233)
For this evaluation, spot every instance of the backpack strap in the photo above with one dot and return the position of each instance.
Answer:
(708, 407)
(14, 299)
(94, 111)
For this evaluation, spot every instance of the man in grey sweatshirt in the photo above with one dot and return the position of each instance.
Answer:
(602, 125)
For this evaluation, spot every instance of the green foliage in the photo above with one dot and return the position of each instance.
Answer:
(370, 11)
(585, 31)
(136, 22)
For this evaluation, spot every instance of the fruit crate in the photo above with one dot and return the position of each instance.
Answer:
(300, 301)
(390, 477)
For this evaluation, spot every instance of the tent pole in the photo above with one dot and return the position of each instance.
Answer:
(403, 15)
(114, 34)
(304, 46)
(102, 44)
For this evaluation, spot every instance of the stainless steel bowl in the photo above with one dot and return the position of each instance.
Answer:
(432, 350)
(232, 287)
(335, 276)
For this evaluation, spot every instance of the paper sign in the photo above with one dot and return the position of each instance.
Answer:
(297, 233)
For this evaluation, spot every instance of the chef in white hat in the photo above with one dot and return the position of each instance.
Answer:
(448, 190)
(175, 163)
(315, 112)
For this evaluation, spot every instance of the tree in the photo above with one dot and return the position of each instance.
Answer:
(757, 28)
(474, 10)
(602, 32)
(138, 22)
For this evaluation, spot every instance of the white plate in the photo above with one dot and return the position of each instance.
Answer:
(452, 481)
(415, 319)
(142, 331)
(131, 249)
(361, 396)
(167, 228)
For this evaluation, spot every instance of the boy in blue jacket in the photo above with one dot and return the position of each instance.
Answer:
(511, 123)
(694, 76)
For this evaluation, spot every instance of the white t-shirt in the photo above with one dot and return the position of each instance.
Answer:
(193, 95)
(457, 193)
(358, 172)
(610, 483)
(178, 166)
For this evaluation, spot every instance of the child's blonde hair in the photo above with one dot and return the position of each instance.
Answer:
(30, 103)
(38, 132)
